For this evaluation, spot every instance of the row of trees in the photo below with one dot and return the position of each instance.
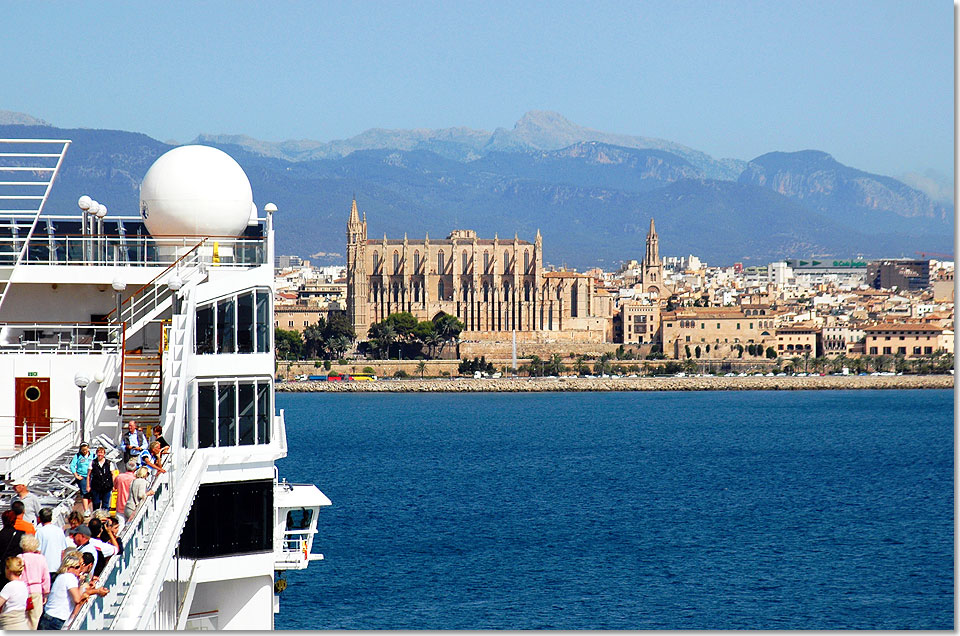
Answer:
(403, 334)
(939, 362)
(329, 339)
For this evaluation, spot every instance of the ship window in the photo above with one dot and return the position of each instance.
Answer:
(245, 323)
(246, 417)
(226, 326)
(263, 321)
(205, 329)
(233, 412)
(227, 415)
(229, 518)
(264, 412)
(206, 415)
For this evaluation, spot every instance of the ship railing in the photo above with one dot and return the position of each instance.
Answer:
(147, 300)
(49, 337)
(139, 251)
(43, 441)
(116, 575)
(184, 468)
(295, 549)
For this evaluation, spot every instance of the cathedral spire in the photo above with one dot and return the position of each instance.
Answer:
(354, 215)
(653, 230)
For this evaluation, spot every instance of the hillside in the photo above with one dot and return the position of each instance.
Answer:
(592, 200)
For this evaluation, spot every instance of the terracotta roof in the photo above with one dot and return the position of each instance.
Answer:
(903, 326)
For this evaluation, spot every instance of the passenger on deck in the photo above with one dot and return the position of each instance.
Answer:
(151, 458)
(36, 576)
(99, 549)
(100, 480)
(53, 543)
(133, 441)
(66, 593)
(21, 524)
(157, 433)
(31, 503)
(112, 526)
(121, 484)
(80, 466)
(9, 536)
(13, 597)
(138, 492)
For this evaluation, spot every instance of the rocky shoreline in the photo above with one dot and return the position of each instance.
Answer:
(709, 383)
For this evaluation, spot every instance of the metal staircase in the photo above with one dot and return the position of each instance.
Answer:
(142, 388)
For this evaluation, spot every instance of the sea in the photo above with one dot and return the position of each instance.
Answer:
(637, 510)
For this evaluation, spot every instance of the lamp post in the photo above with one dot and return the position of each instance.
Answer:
(82, 380)
(101, 244)
(175, 283)
(86, 205)
(118, 285)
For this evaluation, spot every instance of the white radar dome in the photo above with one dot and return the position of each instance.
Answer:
(195, 191)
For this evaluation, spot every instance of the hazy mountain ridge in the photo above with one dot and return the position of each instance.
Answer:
(591, 200)
(535, 131)
(846, 194)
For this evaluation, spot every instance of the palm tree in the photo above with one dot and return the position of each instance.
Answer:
(579, 366)
(421, 367)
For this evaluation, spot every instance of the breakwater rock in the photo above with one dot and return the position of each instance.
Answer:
(709, 383)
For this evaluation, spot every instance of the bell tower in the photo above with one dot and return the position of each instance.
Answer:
(651, 271)
(357, 307)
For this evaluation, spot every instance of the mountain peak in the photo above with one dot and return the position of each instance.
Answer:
(11, 118)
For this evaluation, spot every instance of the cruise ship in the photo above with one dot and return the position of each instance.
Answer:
(161, 317)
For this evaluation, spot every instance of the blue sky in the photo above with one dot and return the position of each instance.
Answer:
(869, 82)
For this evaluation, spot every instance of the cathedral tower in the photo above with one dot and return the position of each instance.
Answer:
(651, 271)
(356, 272)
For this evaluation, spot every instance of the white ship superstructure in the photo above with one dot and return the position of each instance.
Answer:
(165, 317)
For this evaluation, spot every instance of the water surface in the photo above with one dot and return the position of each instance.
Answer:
(720, 510)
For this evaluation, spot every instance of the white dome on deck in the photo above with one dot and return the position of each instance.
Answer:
(195, 191)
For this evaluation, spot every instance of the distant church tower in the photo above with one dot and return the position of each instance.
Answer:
(651, 271)
(357, 279)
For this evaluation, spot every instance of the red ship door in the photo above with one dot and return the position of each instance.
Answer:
(32, 410)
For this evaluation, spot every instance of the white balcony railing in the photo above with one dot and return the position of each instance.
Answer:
(32, 458)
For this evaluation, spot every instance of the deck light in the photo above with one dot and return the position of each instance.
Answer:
(82, 380)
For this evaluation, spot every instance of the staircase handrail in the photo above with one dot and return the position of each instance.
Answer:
(134, 296)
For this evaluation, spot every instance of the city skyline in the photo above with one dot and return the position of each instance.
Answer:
(869, 82)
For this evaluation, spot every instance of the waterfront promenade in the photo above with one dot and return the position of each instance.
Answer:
(707, 383)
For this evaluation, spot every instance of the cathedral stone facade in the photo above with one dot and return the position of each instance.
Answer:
(492, 286)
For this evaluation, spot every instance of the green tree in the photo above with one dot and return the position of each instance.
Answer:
(381, 335)
(404, 323)
(338, 324)
(287, 344)
(771, 354)
(448, 329)
(313, 340)
(555, 365)
(696, 352)
(421, 368)
(579, 366)
(687, 350)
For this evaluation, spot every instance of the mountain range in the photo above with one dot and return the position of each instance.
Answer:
(591, 193)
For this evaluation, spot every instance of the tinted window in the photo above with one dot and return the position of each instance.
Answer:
(226, 324)
(245, 322)
(264, 413)
(245, 420)
(263, 321)
(205, 329)
(231, 518)
(206, 417)
(227, 416)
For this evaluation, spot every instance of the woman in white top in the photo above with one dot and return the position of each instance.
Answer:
(13, 597)
(66, 592)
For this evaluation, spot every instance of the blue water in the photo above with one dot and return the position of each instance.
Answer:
(722, 510)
